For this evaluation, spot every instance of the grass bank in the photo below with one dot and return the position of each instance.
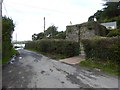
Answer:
(105, 66)
(6, 59)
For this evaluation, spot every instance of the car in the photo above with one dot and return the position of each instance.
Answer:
(17, 47)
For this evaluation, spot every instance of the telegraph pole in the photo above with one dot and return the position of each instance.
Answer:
(44, 24)
(16, 37)
(1, 1)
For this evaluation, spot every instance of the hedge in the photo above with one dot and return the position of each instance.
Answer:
(103, 49)
(66, 48)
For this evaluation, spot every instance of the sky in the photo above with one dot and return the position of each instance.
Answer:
(28, 14)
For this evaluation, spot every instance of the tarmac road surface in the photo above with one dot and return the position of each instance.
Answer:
(33, 70)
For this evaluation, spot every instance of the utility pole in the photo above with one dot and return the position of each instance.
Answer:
(44, 24)
(1, 1)
(16, 37)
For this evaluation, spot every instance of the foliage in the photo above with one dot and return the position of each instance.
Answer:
(61, 35)
(113, 33)
(50, 33)
(7, 30)
(100, 30)
(103, 49)
(54, 56)
(66, 48)
(110, 8)
(91, 18)
(38, 36)
(106, 14)
(34, 36)
(12, 52)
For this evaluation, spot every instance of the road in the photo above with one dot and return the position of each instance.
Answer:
(33, 70)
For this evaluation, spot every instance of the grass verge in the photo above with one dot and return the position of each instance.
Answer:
(54, 56)
(0, 62)
(108, 66)
(6, 59)
(50, 55)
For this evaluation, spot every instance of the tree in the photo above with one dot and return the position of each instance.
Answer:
(91, 18)
(110, 11)
(38, 36)
(34, 37)
(61, 35)
(51, 32)
(7, 30)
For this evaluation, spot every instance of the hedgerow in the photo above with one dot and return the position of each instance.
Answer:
(103, 49)
(63, 47)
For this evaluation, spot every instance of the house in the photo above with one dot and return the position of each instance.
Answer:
(110, 25)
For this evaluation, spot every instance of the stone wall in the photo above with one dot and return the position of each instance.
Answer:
(84, 31)
(72, 33)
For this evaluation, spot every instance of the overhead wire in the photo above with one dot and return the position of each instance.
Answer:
(34, 7)
(5, 9)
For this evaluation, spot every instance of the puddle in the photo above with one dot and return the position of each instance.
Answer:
(23, 77)
(36, 60)
(62, 82)
(42, 72)
(19, 63)
(19, 73)
(75, 80)
(51, 70)
(10, 71)
(29, 66)
(20, 58)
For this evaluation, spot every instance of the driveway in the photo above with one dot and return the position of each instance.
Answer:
(33, 70)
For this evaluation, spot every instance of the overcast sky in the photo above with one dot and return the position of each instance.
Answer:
(28, 14)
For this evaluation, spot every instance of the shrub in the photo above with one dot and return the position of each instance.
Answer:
(113, 33)
(103, 49)
(7, 30)
(67, 48)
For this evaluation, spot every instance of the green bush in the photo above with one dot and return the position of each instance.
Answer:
(66, 48)
(7, 30)
(113, 33)
(103, 49)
